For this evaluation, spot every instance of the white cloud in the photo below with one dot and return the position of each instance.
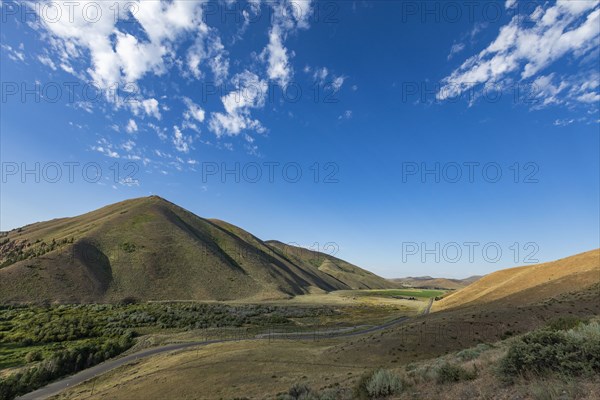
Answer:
(131, 126)
(346, 115)
(128, 145)
(589, 98)
(182, 143)
(510, 4)
(208, 48)
(288, 16)
(563, 122)
(193, 110)
(250, 92)
(136, 58)
(105, 148)
(320, 74)
(117, 56)
(47, 61)
(528, 47)
(456, 48)
(338, 82)
(150, 107)
(15, 54)
(279, 68)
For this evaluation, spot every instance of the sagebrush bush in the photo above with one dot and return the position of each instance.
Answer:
(301, 391)
(472, 353)
(383, 383)
(448, 373)
(571, 353)
(564, 323)
(35, 355)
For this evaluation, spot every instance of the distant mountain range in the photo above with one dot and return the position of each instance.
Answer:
(152, 249)
(427, 282)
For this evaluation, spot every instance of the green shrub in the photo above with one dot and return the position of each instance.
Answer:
(563, 323)
(448, 373)
(33, 356)
(299, 391)
(542, 352)
(379, 384)
(472, 353)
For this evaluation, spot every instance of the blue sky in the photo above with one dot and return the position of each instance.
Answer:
(409, 138)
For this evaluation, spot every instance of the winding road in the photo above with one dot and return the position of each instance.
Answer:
(93, 372)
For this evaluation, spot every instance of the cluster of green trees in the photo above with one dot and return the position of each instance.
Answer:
(69, 338)
(63, 362)
(55, 324)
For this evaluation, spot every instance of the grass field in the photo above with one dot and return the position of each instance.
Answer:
(419, 293)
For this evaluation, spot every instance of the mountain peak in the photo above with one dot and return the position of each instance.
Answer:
(151, 249)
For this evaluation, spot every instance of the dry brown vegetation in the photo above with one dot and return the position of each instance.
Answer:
(529, 283)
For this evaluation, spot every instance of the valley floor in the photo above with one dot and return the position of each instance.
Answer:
(415, 351)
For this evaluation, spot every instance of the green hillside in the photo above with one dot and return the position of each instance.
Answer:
(151, 249)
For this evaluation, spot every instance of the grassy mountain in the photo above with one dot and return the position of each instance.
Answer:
(151, 249)
(529, 284)
(342, 271)
(427, 282)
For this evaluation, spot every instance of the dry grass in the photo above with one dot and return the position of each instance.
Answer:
(254, 370)
(530, 283)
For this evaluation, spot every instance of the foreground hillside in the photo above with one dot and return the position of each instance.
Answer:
(529, 283)
(151, 249)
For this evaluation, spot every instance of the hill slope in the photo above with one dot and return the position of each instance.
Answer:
(528, 284)
(342, 271)
(151, 249)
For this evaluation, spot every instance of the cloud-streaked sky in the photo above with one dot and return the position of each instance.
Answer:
(371, 125)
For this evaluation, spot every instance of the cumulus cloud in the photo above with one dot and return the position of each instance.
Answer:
(193, 110)
(117, 56)
(131, 126)
(250, 93)
(106, 148)
(288, 16)
(527, 46)
(182, 143)
(279, 68)
(208, 49)
(121, 52)
(149, 107)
